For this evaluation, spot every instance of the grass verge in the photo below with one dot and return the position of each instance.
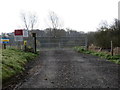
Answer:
(115, 58)
(13, 62)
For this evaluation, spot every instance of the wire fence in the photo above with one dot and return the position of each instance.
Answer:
(48, 42)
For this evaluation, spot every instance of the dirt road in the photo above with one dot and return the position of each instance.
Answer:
(69, 69)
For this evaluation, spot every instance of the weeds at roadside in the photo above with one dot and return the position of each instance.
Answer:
(115, 58)
(13, 62)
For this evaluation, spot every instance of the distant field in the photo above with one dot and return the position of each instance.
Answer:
(13, 62)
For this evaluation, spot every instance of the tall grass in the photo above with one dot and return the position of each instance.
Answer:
(115, 58)
(13, 62)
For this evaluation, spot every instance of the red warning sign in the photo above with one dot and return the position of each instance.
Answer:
(18, 32)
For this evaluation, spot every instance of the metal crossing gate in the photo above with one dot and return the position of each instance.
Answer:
(60, 42)
(52, 42)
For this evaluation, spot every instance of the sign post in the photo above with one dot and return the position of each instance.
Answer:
(4, 45)
(25, 45)
(5, 40)
(18, 35)
(25, 33)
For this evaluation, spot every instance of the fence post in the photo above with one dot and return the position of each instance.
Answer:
(86, 42)
(111, 48)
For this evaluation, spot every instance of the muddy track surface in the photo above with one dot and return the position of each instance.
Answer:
(69, 69)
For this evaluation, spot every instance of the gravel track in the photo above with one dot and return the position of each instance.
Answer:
(69, 69)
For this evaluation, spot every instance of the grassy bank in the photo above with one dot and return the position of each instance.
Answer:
(13, 62)
(115, 58)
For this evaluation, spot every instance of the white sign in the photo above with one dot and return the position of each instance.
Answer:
(25, 33)
(18, 38)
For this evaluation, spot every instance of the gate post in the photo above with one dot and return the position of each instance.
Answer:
(34, 35)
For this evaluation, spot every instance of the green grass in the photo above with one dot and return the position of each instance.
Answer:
(13, 62)
(115, 58)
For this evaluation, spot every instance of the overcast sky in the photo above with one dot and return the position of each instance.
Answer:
(80, 15)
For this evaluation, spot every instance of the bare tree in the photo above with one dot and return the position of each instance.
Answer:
(25, 21)
(29, 20)
(54, 20)
(103, 25)
(54, 23)
(33, 20)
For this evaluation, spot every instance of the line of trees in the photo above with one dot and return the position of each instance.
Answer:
(49, 32)
(102, 37)
(54, 25)
(30, 20)
(105, 34)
